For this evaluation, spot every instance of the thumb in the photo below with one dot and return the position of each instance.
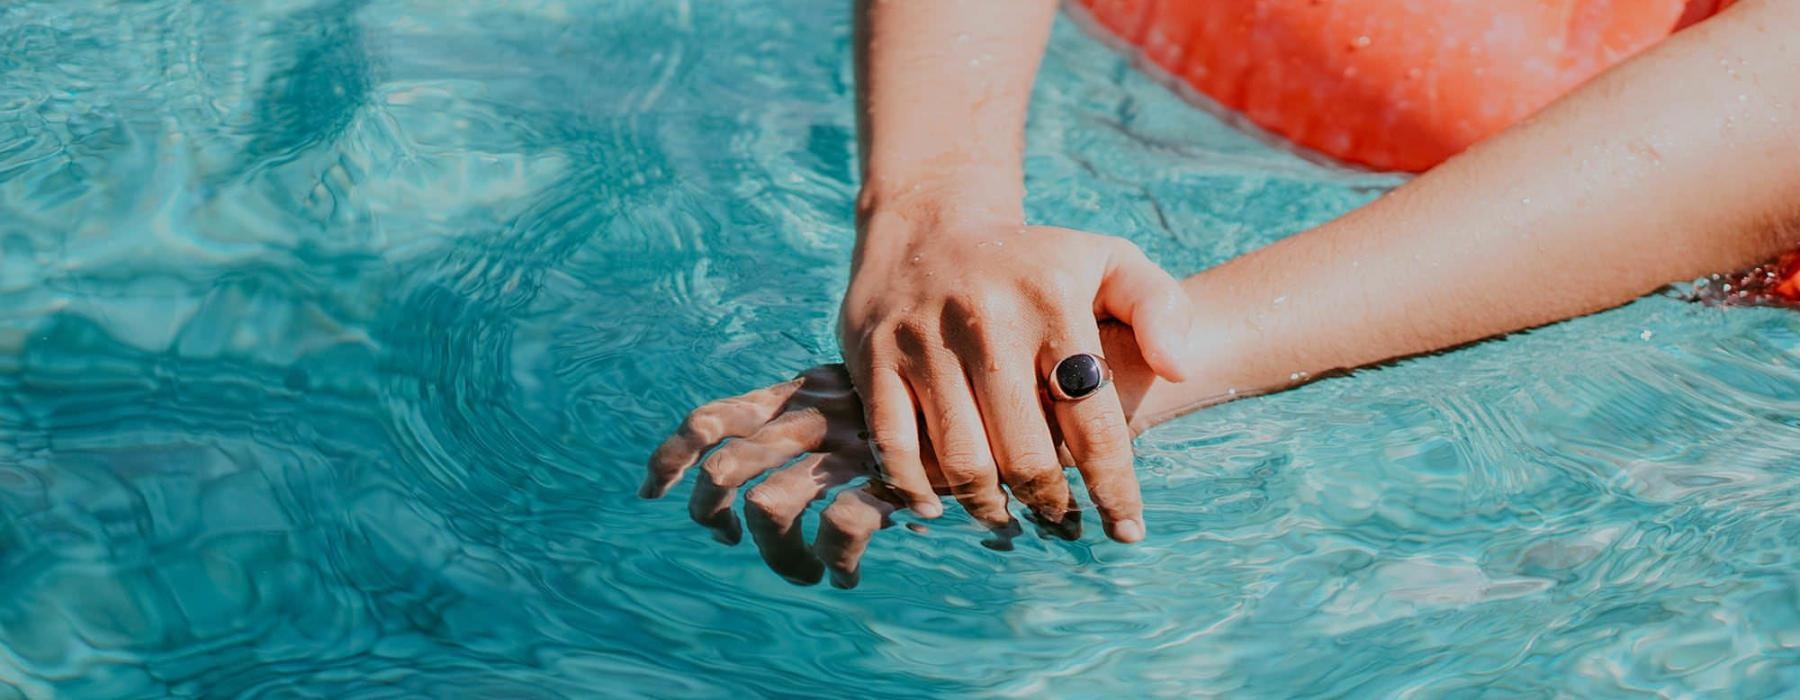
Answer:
(1140, 294)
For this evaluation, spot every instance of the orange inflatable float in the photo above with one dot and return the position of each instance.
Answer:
(1390, 84)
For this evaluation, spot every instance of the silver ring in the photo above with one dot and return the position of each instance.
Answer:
(1079, 376)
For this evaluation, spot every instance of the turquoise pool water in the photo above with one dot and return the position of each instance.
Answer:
(334, 335)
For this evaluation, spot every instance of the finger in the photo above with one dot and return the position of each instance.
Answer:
(1100, 442)
(1019, 435)
(1137, 292)
(893, 420)
(773, 509)
(709, 425)
(793, 434)
(844, 532)
(960, 440)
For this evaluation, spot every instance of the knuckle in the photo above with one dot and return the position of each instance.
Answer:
(862, 343)
(1103, 432)
(702, 422)
(719, 467)
(981, 304)
(1126, 247)
(851, 515)
(767, 503)
(911, 336)
(892, 449)
(964, 305)
(1109, 449)
(1056, 293)
(1048, 297)
(961, 460)
(1032, 465)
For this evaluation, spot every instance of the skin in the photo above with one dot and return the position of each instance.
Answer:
(956, 307)
(1681, 162)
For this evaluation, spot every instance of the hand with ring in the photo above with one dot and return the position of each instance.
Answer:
(808, 435)
(952, 333)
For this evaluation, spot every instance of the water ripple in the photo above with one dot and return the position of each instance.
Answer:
(333, 335)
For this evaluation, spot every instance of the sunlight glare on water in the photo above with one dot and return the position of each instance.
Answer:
(334, 336)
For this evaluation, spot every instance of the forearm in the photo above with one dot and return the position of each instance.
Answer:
(1682, 162)
(943, 88)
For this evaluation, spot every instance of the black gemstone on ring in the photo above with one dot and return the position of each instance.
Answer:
(1080, 375)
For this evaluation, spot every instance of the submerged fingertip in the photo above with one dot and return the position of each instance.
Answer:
(1128, 531)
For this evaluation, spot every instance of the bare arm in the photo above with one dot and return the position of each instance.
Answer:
(943, 89)
(956, 308)
(1681, 162)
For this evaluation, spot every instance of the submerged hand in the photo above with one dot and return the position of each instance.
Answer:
(960, 323)
(817, 418)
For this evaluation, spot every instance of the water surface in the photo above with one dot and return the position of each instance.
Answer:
(333, 336)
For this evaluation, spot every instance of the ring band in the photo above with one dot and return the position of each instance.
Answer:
(1078, 376)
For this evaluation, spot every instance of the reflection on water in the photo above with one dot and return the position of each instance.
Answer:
(333, 336)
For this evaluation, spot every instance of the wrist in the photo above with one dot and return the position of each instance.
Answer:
(961, 198)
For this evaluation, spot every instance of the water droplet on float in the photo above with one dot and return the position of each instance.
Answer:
(1361, 42)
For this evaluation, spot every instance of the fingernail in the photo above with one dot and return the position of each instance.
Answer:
(928, 509)
(1128, 531)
